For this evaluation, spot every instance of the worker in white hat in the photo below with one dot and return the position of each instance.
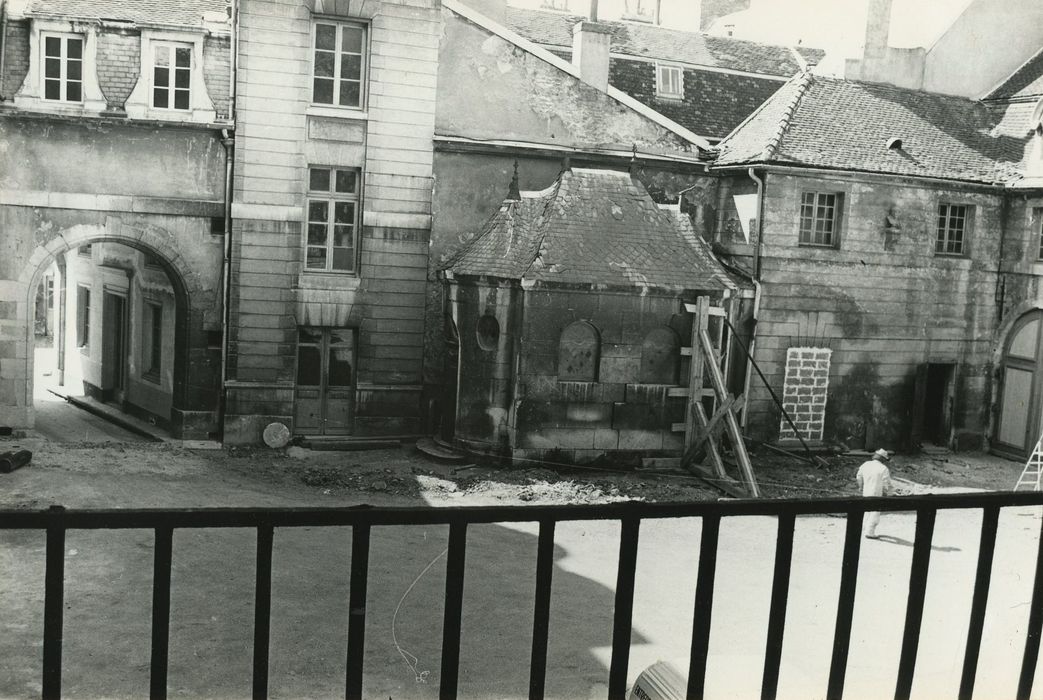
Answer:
(874, 478)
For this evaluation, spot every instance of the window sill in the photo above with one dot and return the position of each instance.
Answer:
(152, 377)
(952, 256)
(329, 279)
(818, 246)
(336, 112)
(670, 98)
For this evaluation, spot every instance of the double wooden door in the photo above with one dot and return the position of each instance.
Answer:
(325, 400)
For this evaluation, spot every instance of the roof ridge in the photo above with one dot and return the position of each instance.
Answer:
(541, 221)
(658, 27)
(802, 82)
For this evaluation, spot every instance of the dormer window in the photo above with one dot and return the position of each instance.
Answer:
(62, 69)
(669, 81)
(171, 75)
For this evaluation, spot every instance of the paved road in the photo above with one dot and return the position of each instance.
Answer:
(60, 421)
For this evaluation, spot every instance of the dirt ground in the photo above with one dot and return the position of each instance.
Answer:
(108, 589)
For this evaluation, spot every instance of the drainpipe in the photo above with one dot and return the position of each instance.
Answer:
(3, 45)
(226, 289)
(760, 226)
(233, 46)
(756, 291)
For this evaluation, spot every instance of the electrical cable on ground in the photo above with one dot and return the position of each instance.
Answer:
(411, 660)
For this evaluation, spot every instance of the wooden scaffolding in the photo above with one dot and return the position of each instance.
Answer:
(704, 432)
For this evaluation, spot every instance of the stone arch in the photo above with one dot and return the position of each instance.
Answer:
(1007, 372)
(150, 238)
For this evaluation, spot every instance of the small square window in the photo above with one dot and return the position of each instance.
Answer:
(338, 64)
(820, 219)
(331, 236)
(953, 224)
(669, 81)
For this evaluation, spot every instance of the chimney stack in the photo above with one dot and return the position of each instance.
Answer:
(878, 28)
(591, 43)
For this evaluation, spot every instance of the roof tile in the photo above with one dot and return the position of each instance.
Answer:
(185, 13)
(595, 227)
(834, 123)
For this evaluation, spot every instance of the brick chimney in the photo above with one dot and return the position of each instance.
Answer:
(591, 42)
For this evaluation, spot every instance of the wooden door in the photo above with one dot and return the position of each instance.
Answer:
(325, 397)
(1018, 425)
(114, 346)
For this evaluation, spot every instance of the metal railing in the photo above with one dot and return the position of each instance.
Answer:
(56, 521)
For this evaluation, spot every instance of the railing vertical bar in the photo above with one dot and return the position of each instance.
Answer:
(262, 610)
(54, 606)
(702, 615)
(624, 608)
(541, 610)
(914, 606)
(164, 543)
(1028, 664)
(454, 601)
(986, 549)
(845, 605)
(357, 610)
(777, 613)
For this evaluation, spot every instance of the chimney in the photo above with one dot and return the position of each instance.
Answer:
(591, 42)
(496, 10)
(878, 27)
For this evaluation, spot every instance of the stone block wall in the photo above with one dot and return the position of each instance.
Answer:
(882, 301)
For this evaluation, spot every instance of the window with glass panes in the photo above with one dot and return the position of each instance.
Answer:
(669, 81)
(333, 210)
(819, 218)
(171, 75)
(952, 229)
(338, 68)
(62, 67)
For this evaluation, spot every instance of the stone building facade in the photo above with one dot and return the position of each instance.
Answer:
(112, 120)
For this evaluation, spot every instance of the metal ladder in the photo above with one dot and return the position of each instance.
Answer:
(1030, 475)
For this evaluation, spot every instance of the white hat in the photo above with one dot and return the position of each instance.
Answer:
(882, 454)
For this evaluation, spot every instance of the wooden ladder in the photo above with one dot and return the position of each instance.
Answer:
(700, 430)
(1030, 475)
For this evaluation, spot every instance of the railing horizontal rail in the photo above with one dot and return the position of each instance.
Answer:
(76, 519)
(56, 521)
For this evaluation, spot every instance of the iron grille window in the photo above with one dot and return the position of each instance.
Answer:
(669, 81)
(333, 210)
(819, 218)
(171, 75)
(63, 67)
(339, 65)
(952, 229)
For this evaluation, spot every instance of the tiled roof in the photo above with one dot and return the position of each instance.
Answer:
(1026, 81)
(595, 227)
(833, 123)
(647, 41)
(185, 13)
(714, 103)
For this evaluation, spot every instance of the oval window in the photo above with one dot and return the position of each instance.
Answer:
(488, 332)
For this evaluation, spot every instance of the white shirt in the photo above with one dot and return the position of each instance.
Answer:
(874, 478)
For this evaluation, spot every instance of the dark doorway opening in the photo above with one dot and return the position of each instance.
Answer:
(935, 399)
